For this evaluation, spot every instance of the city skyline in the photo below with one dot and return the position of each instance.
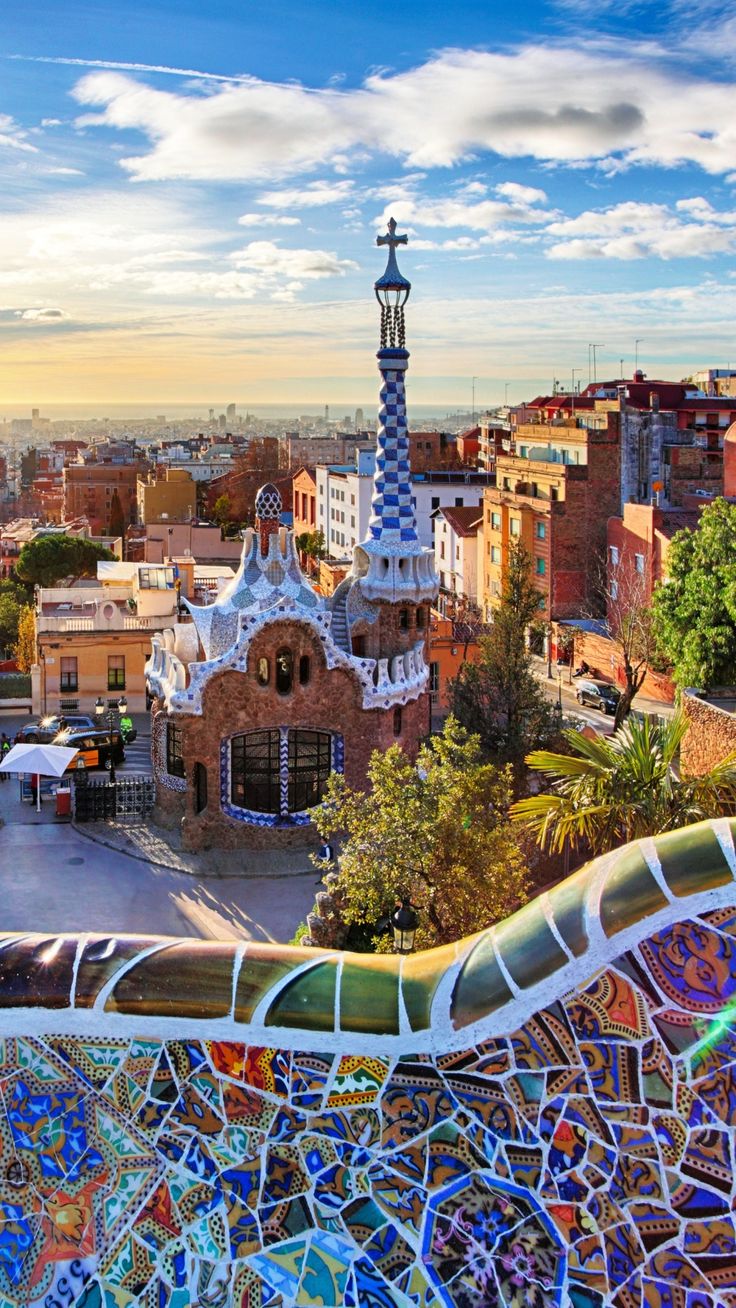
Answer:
(190, 202)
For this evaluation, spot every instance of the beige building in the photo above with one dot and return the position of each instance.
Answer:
(172, 497)
(93, 638)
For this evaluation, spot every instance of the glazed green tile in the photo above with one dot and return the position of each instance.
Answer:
(36, 971)
(308, 1000)
(369, 994)
(630, 893)
(100, 959)
(480, 987)
(567, 901)
(420, 975)
(692, 859)
(527, 946)
(262, 968)
(187, 979)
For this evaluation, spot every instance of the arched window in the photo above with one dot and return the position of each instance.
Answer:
(421, 618)
(284, 671)
(263, 672)
(281, 771)
(397, 721)
(404, 619)
(305, 669)
(199, 778)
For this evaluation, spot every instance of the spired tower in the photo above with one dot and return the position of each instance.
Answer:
(272, 687)
(392, 565)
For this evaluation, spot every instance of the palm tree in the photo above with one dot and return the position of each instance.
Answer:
(612, 789)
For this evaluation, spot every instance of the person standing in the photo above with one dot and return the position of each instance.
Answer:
(4, 751)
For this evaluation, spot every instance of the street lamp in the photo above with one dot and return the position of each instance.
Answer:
(100, 712)
(404, 921)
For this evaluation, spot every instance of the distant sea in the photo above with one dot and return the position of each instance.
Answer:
(180, 412)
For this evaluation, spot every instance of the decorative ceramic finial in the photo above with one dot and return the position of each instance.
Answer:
(392, 292)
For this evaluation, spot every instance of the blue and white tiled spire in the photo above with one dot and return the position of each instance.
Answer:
(392, 564)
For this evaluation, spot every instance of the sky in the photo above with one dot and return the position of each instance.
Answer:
(190, 196)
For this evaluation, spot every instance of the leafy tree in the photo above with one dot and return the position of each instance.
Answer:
(612, 789)
(695, 609)
(499, 696)
(436, 831)
(222, 511)
(312, 543)
(116, 524)
(24, 650)
(47, 559)
(10, 610)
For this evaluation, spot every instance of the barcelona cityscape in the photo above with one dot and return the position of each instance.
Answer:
(367, 655)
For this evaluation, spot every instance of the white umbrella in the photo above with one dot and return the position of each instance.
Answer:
(38, 760)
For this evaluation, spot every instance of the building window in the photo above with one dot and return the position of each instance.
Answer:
(496, 521)
(404, 619)
(397, 721)
(280, 771)
(554, 493)
(284, 671)
(540, 530)
(199, 778)
(495, 554)
(458, 501)
(434, 678)
(256, 771)
(263, 672)
(639, 562)
(156, 578)
(614, 590)
(614, 556)
(174, 750)
(68, 679)
(304, 669)
(435, 501)
(506, 484)
(541, 567)
(116, 672)
(421, 618)
(514, 526)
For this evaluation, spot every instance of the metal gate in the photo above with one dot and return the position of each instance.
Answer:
(129, 799)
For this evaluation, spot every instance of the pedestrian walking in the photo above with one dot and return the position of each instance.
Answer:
(4, 750)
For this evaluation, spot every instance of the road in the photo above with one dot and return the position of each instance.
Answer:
(53, 878)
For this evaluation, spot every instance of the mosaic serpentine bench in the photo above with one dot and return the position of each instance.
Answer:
(540, 1115)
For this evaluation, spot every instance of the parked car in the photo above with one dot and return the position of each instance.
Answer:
(598, 694)
(97, 749)
(45, 729)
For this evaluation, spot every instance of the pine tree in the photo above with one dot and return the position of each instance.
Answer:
(499, 697)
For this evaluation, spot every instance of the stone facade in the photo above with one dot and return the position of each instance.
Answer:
(711, 734)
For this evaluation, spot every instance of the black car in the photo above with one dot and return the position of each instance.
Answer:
(598, 694)
(46, 729)
(97, 749)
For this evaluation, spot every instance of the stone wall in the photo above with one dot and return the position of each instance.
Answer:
(540, 1115)
(711, 734)
(234, 702)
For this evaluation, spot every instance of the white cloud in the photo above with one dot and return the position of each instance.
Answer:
(623, 103)
(273, 262)
(634, 230)
(308, 197)
(522, 194)
(271, 220)
(13, 136)
(485, 215)
(44, 316)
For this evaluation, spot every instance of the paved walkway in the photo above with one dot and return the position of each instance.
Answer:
(102, 877)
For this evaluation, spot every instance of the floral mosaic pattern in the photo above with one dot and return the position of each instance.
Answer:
(580, 1156)
(586, 1158)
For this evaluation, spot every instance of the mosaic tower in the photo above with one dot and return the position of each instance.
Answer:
(399, 567)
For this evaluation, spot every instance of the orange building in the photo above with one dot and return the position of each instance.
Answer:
(89, 489)
(451, 644)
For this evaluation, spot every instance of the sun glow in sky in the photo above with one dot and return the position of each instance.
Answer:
(190, 194)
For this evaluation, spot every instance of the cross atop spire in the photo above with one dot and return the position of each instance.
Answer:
(391, 238)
